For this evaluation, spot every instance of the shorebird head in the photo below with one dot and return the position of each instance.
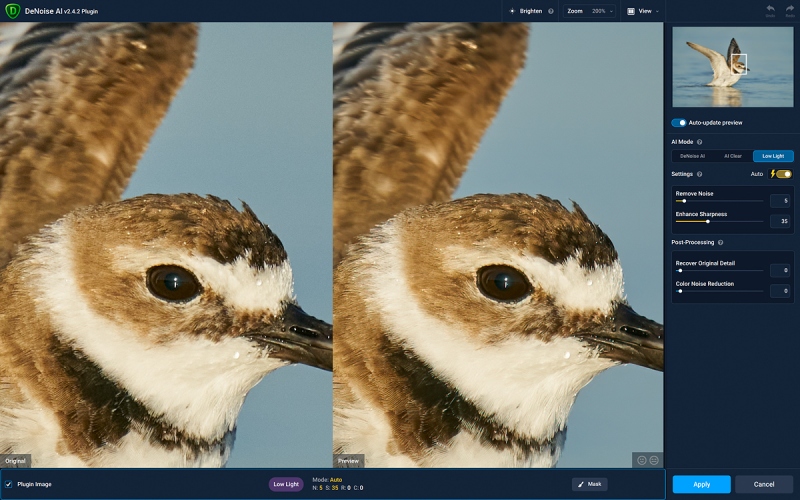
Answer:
(183, 301)
(515, 301)
(739, 68)
(734, 56)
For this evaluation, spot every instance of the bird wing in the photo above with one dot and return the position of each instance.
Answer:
(718, 63)
(410, 105)
(733, 52)
(78, 105)
(342, 33)
(10, 34)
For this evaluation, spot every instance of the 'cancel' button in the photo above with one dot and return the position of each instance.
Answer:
(764, 484)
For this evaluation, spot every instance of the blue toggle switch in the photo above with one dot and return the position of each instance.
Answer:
(679, 122)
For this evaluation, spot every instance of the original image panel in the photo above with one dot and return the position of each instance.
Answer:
(250, 124)
(466, 329)
(257, 124)
(740, 66)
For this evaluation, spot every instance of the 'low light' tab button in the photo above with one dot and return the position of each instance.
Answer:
(773, 156)
(701, 484)
(286, 484)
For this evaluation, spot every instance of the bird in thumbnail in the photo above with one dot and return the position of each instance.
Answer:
(727, 70)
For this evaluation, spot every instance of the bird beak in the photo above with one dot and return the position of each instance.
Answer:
(628, 337)
(299, 338)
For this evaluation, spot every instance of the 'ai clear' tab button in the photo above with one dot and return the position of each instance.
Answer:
(773, 156)
(701, 484)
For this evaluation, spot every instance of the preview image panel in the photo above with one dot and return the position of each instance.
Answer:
(476, 327)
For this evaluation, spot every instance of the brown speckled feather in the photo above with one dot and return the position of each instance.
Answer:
(411, 103)
(78, 105)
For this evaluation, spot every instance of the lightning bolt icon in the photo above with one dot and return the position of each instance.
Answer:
(771, 174)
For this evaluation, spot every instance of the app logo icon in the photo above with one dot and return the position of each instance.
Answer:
(12, 10)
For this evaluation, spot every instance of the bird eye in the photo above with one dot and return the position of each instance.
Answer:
(172, 283)
(503, 283)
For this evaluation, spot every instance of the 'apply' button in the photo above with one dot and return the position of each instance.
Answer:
(701, 484)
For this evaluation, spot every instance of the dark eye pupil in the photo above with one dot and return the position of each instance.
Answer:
(503, 283)
(172, 283)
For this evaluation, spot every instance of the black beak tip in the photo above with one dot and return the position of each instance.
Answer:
(305, 339)
(632, 338)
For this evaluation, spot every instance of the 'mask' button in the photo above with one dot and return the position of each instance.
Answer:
(701, 484)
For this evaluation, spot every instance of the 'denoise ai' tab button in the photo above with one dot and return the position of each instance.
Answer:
(286, 484)
(701, 484)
